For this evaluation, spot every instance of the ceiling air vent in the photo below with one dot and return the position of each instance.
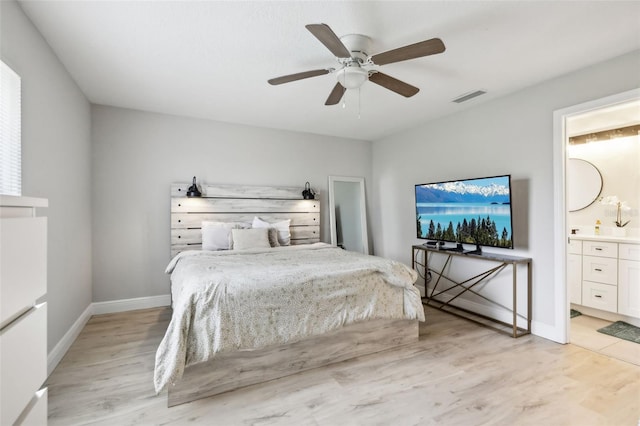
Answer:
(463, 98)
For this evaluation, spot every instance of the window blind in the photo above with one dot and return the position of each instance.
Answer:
(10, 132)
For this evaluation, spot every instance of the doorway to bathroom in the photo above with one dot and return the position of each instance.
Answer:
(597, 174)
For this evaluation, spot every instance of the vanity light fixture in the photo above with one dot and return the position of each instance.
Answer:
(193, 190)
(605, 135)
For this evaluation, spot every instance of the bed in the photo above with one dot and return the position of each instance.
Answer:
(242, 317)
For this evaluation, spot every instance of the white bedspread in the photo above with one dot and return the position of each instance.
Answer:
(244, 300)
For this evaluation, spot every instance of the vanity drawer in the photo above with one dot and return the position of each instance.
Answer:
(600, 296)
(600, 248)
(600, 269)
(630, 251)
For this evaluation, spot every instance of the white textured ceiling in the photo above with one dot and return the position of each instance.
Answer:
(212, 59)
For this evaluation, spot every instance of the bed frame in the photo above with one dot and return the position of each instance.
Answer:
(229, 371)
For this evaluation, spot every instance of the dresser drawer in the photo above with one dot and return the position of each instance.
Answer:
(600, 269)
(598, 248)
(629, 251)
(23, 362)
(23, 265)
(600, 296)
(575, 246)
(37, 412)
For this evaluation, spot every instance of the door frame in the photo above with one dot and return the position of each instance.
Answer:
(562, 305)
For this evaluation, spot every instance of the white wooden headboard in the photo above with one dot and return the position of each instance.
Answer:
(239, 203)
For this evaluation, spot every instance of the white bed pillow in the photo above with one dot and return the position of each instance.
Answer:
(284, 234)
(217, 235)
(244, 239)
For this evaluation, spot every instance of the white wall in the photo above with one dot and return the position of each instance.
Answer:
(56, 163)
(511, 135)
(137, 155)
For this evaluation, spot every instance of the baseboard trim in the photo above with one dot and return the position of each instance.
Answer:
(549, 332)
(125, 305)
(57, 353)
(97, 308)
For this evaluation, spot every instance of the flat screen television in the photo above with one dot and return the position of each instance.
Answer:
(473, 211)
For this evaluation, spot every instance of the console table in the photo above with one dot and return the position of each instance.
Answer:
(453, 289)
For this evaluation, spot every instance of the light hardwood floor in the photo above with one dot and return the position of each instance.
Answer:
(457, 374)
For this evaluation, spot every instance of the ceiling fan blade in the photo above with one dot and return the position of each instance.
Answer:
(327, 37)
(393, 84)
(412, 51)
(336, 94)
(298, 76)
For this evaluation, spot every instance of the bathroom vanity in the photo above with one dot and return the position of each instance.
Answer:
(604, 274)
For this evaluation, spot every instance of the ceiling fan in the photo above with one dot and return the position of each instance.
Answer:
(357, 66)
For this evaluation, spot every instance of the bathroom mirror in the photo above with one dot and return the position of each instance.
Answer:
(584, 184)
(347, 213)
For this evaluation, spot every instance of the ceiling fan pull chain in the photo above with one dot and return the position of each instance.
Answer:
(359, 103)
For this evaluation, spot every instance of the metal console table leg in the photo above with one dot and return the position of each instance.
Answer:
(459, 288)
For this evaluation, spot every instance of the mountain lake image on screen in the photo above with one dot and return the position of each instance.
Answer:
(474, 211)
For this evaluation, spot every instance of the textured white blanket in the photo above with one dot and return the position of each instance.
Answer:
(244, 300)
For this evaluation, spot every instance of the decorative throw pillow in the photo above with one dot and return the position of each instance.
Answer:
(273, 237)
(217, 235)
(244, 239)
(284, 235)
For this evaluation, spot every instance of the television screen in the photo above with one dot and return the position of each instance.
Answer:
(474, 211)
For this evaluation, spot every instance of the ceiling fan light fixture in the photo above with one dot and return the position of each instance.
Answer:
(352, 77)
(357, 66)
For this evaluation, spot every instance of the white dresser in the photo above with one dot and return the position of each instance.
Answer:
(604, 273)
(23, 311)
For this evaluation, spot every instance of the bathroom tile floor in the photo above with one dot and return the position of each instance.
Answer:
(584, 333)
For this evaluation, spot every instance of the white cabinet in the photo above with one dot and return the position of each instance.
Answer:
(630, 252)
(608, 274)
(574, 271)
(23, 314)
(629, 280)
